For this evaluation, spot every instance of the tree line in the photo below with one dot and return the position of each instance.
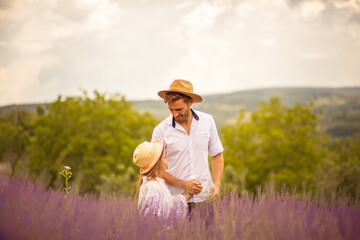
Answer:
(96, 136)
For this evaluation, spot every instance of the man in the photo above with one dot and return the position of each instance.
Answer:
(189, 136)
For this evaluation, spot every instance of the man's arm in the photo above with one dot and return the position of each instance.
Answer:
(217, 169)
(192, 186)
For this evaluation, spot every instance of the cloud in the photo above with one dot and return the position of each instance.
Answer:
(311, 9)
(327, 9)
(120, 55)
(137, 47)
(355, 18)
(203, 16)
(245, 9)
(8, 55)
(71, 10)
(5, 4)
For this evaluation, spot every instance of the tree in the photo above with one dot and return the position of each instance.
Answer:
(92, 135)
(14, 136)
(340, 174)
(276, 142)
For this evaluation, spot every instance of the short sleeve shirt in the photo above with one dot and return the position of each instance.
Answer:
(187, 154)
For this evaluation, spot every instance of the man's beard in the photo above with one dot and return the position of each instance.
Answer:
(184, 117)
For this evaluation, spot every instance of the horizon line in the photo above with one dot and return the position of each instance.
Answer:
(203, 94)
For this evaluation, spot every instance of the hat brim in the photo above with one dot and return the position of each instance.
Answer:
(158, 151)
(195, 97)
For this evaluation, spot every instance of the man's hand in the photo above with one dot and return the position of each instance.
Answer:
(193, 186)
(214, 192)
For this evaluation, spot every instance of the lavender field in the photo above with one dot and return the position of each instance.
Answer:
(28, 211)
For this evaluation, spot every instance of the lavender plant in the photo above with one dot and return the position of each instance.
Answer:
(66, 172)
(28, 211)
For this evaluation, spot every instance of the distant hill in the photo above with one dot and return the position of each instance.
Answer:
(341, 106)
(31, 107)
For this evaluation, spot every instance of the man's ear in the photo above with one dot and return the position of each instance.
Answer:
(191, 102)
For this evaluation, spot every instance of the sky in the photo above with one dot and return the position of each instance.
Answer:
(138, 47)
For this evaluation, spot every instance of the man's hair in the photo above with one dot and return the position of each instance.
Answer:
(174, 96)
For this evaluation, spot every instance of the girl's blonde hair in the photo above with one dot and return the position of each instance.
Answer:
(151, 175)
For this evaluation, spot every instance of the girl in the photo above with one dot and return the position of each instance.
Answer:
(152, 193)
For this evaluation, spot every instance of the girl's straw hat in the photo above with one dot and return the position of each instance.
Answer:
(183, 87)
(147, 154)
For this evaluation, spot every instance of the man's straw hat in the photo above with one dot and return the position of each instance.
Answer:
(147, 154)
(184, 87)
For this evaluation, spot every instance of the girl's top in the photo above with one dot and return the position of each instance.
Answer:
(155, 198)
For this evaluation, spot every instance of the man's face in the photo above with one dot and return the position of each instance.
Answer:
(180, 110)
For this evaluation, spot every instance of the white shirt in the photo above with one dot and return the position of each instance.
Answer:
(155, 198)
(187, 154)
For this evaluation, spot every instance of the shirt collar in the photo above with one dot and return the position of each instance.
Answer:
(194, 114)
